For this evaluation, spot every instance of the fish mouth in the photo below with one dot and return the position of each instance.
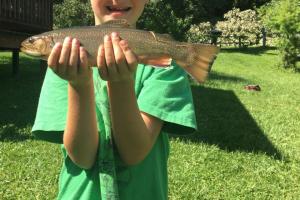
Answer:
(27, 48)
(37, 46)
(30, 52)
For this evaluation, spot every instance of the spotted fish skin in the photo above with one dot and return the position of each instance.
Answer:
(151, 48)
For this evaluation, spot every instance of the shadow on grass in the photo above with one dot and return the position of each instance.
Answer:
(18, 98)
(225, 122)
(13, 133)
(249, 50)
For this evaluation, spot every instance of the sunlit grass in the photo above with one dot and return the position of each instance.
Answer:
(248, 144)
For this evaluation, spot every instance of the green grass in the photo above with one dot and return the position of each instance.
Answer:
(28, 168)
(247, 146)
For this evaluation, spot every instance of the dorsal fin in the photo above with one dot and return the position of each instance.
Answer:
(165, 38)
(120, 23)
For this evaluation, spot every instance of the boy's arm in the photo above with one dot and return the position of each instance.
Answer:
(81, 133)
(134, 132)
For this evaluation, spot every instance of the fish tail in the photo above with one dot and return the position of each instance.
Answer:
(197, 59)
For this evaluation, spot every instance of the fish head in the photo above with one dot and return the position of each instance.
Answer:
(38, 46)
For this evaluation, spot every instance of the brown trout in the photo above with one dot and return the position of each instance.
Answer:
(154, 49)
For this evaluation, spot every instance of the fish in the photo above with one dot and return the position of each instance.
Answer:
(157, 50)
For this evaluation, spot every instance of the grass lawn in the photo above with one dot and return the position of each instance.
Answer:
(247, 146)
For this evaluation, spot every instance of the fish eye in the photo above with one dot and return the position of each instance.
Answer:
(31, 40)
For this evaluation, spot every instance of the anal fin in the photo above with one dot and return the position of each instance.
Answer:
(156, 60)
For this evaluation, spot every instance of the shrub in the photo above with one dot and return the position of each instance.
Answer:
(283, 17)
(240, 27)
(200, 33)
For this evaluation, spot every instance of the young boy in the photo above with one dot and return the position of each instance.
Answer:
(115, 119)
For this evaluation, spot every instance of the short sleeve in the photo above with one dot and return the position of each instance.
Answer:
(166, 94)
(52, 108)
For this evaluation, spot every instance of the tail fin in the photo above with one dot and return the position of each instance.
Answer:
(198, 59)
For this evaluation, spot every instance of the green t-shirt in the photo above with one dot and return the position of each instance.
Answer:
(163, 93)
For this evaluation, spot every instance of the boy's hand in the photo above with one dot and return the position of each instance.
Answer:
(116, 61)
(69, 61)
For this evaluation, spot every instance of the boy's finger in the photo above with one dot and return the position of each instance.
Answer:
(130, 56)
(65, 55)
(109, 56)
(73, 62)
(101, 63)
(119, 55)
(54, 56)
(83, 61)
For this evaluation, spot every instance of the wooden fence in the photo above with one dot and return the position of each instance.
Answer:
(29, 16)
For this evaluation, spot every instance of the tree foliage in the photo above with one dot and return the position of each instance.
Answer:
(248, 4)
(70, 13)
(161, 18)
(203, 10)
(283, 16)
